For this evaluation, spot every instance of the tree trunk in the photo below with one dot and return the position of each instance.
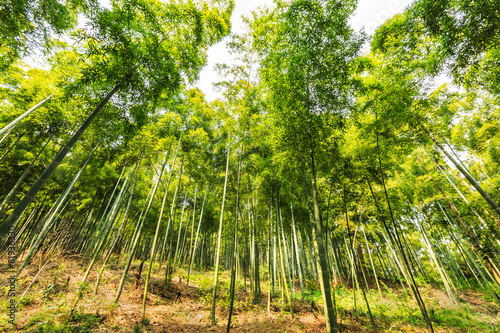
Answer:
(14, 189)
(397, 242)
(108, 223)
(21, 207)
(361, 257)
(196, 237)
(235, 241)
(157, 232)
(50, 217)
(330, 315)
(219, 237)
(21, 117)
(475, 243)
(12, 146)
(135, 239)
(464, 172)
(138, 275)
(296, 248)
(121, 226)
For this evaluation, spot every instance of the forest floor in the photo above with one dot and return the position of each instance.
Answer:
(51, 296)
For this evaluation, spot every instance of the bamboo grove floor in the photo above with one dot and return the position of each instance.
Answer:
(47, 305)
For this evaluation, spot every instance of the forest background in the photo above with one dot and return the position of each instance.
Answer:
(333, 159)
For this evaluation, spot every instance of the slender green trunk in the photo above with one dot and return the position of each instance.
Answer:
(473, 239)
(152, 251)
(464, 172)
(164, 199)
(13, 124)
(256, 255)
(357, 260)
(121, 227)
(101, 225)
(219, 238)
(251, 249)
(196, 238)
(138, 234)
(284, 287)
(462, 252)
(285, 257)
(481, 273)
(179, 234)
(21, 207)
(12, 146)
(373, 266)
(330, 313)
(16, 187)
(133, 249)
(447, 283)
(171, 221)
(6, 135)
(296, 247)
(190, 249)
(109, 222)
(398, 243)
(171, 172)
(50, 218)
(269, 273)
(235, 241)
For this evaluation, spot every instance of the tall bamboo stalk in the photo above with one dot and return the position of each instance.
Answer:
(219, 238)
(21, 207)
(16, 187)
(464, 172)
(324, 279)
(235, 242)
(50, 218)
(121, 226)
(151, 256)
(397, 241)
(13, 124)
(196, 238)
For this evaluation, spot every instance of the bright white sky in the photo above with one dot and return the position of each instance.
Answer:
(370, 14)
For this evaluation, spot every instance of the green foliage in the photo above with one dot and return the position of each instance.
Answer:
(30, 24)
(83, 289)
(302, 98)
(79, 323)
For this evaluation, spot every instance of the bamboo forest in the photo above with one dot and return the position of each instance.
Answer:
(343, 180)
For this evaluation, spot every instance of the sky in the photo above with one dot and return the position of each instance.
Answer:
(369, 15)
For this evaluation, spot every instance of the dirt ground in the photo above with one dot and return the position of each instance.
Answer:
(53, 286)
